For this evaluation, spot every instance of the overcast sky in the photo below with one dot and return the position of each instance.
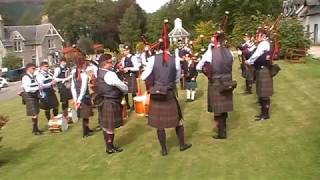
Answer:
(151, 5)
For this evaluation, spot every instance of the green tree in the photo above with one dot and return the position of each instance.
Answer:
(11, 61)
(131, 25)
(292, 35)
(85, 44)
(204, 29)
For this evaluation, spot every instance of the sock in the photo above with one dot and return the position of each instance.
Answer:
(108, 139)
(162, 139)
(193, 94)
(35, 125)
(48, 114)
(55, 111)
(180, 135)
(188, 94)
(85, 126)
(127, 100)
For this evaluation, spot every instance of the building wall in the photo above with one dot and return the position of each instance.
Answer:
(311, 21)
(49, 54)
(26, 54)
(2, 53)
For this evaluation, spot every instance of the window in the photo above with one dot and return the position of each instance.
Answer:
(51, 44)
(17, 45)
(34, 60)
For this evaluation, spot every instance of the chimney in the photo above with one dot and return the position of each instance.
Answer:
(45, 19)
(1, 28)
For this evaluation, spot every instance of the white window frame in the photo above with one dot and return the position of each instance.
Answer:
(18, 45)
(51, 44)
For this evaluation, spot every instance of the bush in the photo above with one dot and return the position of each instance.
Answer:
(3, 121)
(292, 35)
(85, 44)
(11, 61)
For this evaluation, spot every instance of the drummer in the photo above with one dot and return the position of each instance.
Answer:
(130, 66)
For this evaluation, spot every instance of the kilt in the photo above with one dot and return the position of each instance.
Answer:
(264, 83)
(132, 82)
(32, 106)
(249, 72)
(110, 114)
(191, 85)
(50, 100)
(164, 114)
(65, 93)
(220, 101)
(85, 110)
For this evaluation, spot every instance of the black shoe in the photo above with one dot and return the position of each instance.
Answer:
(36, 133)
(118, 149)
(219, 137)
(258, 117)
(263, 118)
(114, 150)
(87, 135)
(185, 147)
(90, 130)
(128, 107)
(164, 152)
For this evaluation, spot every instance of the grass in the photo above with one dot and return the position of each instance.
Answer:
(285, 147)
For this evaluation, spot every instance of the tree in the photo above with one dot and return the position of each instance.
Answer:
(85, 44)
(11, 61)
(204, 28)
(131, 25)
(292, 35)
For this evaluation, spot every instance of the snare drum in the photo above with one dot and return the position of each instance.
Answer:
(58, 124)
(139, 105)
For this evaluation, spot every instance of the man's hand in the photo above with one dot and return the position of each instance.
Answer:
(126, 69)
(76, 105)
(247, 62)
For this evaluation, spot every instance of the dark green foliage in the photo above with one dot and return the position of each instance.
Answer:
(293, 35)
(85, 44)
(11, 61)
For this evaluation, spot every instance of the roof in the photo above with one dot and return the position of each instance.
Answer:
(314, 10)
(178, 30)
(32, 35)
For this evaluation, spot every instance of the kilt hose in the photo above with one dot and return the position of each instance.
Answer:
(32, 106)
(50, 101)
(220, 102)
(264, 83)
(132, 82)
(164, 113)
(110, 114)
(85, 110)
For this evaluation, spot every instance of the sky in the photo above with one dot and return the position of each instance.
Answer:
(151, 5)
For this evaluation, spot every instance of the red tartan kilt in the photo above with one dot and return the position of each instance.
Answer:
(264, 83)
(220, 102)
(85, 111)
(110, 115)
(164, 114)
(132, 83)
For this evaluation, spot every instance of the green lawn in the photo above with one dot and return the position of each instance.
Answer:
(285, 147)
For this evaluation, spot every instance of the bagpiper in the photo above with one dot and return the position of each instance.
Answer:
(220, 83)
(110, 90)
(163, 71)
(261, 59)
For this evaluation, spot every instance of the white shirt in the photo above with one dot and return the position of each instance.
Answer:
(148, 69)
(84, 85)
(263, 47)
(41, 79)
(56, 73)
(112, 79)
(135, 63)
(27, 84)
(207, 57)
